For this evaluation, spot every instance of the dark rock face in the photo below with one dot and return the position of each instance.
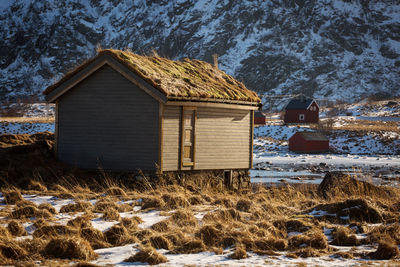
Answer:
(341, 184)
(329, 49)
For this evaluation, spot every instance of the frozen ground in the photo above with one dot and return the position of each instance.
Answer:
(115, 256)
(25, 127)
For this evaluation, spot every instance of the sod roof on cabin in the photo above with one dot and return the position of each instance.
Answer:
(188, 79)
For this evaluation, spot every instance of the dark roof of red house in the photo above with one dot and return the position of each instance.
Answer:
(259, 114)
(314, 136)
(299, 103)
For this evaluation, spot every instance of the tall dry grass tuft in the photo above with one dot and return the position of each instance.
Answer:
(57, 230)
(174, 201)
(184, 217)
(386, 250)
(118, 235)
(95, 237)
(5, 233)
(11, 250)
(111, 214)
(30, 211)
(162, 226)
(149, 203)
(80, 221)
(342, 236)
(48, 207)
(12, 196)
(34, 185)
(210, 235)
(69, 248)
(115, 191)
(147, 255)
(159, 241)
(239, 253)
(16, 228)
(77, 207)
(313, 239)
(190, 246)
(243, 205)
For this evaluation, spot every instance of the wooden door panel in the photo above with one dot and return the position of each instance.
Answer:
(188, 137)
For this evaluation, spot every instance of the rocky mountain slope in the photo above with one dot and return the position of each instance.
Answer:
(336, 49)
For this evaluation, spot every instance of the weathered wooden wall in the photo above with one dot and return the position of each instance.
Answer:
(107, 121)
(223, 138)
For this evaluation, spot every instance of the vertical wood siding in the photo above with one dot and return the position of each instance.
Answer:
(223, 138)
(107, 121)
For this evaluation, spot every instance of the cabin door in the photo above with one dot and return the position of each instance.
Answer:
(188, 138)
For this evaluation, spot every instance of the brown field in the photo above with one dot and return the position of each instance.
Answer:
(49, 119)
(297, 221)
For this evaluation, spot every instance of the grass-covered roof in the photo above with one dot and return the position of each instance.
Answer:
(187, 79)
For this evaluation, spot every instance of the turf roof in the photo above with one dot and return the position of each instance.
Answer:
(187, 79)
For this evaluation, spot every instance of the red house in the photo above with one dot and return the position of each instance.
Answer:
(308, 142)
(259, 118)
(301, 110)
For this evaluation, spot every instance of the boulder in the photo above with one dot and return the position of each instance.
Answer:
(340, 184)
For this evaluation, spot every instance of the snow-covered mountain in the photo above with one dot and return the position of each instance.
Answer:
(337, 49)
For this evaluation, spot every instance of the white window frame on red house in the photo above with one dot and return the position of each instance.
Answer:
(302, 117)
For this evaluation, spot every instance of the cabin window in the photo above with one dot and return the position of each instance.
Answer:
(188, 137)
(301, 117)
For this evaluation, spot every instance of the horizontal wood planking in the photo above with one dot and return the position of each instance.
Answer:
(108, 121)
(171, 138)
(222, 138)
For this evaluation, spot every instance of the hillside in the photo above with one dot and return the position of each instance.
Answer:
(329, 49)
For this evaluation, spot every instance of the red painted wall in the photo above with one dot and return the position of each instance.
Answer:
(259, 120)
(298, 144)
(292, 115)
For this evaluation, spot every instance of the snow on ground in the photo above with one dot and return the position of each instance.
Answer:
(115, 256)
(25, 127)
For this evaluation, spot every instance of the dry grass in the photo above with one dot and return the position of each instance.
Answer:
(111, 214)
(30, 211)
(10, 250)
(342, 236)
(11, 197)
(159, 241)
(386, 250)
(162, 226)
(115, 191)
(48, 207)
(69, 248)
(149, 203)
(178, 79)
(184, 217)
(258, 220)
(118, 235)
(57, 230)
(95, 237)
(16, 228)
(77, 207)
(80, 221)
(147, 255)
(191, 246)
(239, 253)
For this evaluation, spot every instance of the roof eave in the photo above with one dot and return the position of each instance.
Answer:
(95, 64)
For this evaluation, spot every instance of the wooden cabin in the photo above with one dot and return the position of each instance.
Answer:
(259, 118)
(122, 112)
(301, 110)
(308, 142)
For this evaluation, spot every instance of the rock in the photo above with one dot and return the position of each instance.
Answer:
(356, 210)
(341, 184)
